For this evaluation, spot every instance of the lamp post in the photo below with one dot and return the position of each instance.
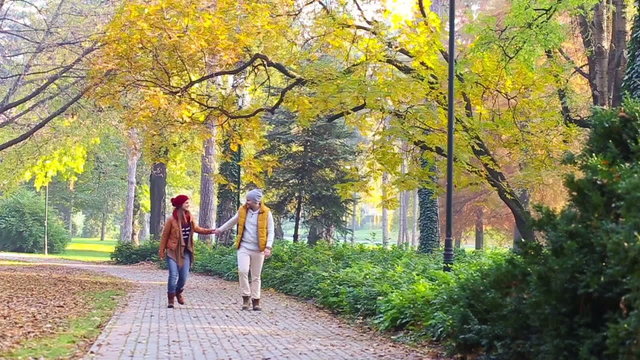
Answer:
(46, 219)
(239, 179)
(448, 241)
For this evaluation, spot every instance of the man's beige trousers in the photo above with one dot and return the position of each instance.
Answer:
(250, 260)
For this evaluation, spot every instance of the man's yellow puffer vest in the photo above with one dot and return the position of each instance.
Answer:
(263, 221)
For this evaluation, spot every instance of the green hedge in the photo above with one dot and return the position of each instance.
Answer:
(22, 215)
(127, 253)
(577, 295)
(394, 290)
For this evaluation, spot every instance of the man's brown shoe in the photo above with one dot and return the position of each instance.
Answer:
(245, 302)
(256, 304)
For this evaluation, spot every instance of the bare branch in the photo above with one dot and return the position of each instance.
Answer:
(577, 68)
(423, 11)
(44, 121)
(47, 83)
(267, 62)
(37, 104)
(362, 13)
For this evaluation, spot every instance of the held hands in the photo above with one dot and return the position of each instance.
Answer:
(216, 232)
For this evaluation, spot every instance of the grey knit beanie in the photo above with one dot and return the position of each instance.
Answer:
(255, 195)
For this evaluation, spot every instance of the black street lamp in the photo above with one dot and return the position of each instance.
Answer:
(448, 241)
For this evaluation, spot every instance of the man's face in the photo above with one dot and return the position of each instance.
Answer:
(253, 204)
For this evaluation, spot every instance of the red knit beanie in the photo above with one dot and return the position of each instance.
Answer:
(179, 200)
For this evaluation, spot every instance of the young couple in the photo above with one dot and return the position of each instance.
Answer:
(253, 244)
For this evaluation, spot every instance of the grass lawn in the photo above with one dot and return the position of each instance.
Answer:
(89, 249)
(83, 249)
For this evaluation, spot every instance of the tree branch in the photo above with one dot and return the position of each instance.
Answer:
(267, 62)
(577, 68)
(47, 83)
(44, 121)
(336, 116)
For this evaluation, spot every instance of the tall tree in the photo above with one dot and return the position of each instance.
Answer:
(133, 154)
(101, 190)
(480, 228)
(309, 172)
(385, 210)
(207, 215)
(158, 193)
(631, 84)
(228, 191)
(414, 227)
(603, 30)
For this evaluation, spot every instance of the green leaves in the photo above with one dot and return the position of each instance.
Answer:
(22, 224)
(66, 162)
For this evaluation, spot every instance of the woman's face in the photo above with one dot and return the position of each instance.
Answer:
(186, 205)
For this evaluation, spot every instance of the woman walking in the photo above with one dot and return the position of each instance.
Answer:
(176, 245)
(254, 241)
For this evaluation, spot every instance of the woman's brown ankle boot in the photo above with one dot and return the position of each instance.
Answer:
(171, 297)
(179, 297)
(256, 304)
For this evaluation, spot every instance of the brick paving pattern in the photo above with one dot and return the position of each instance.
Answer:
(211, 325)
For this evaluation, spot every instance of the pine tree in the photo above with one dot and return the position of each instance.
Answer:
(311, 164)
(228, 192)
(631, 82)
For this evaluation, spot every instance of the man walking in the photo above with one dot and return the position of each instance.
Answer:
(254, 242)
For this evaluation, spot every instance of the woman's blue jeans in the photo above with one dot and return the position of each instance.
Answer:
(178, 275)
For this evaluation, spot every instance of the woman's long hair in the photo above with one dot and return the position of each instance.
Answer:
(182, 215)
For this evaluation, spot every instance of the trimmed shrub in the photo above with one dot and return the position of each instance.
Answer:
(127, 253)
(22, 215)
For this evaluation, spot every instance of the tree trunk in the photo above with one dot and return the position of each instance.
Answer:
(401, 211)
(458, 242)
(403, 230)
(135, 224)
(405, 217)
(385, 212)
(278, 233)
(414, 229)
(600, 56)
(103, 224)
(617, 54)
(480, 228)
(523, 198)
(354, 218)
(428, 218)
(228, 193)
(296, 226)
(315, 234)
(144, 226)
(207, 215)
(158, 188)
(604, 36)
(133, 155)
